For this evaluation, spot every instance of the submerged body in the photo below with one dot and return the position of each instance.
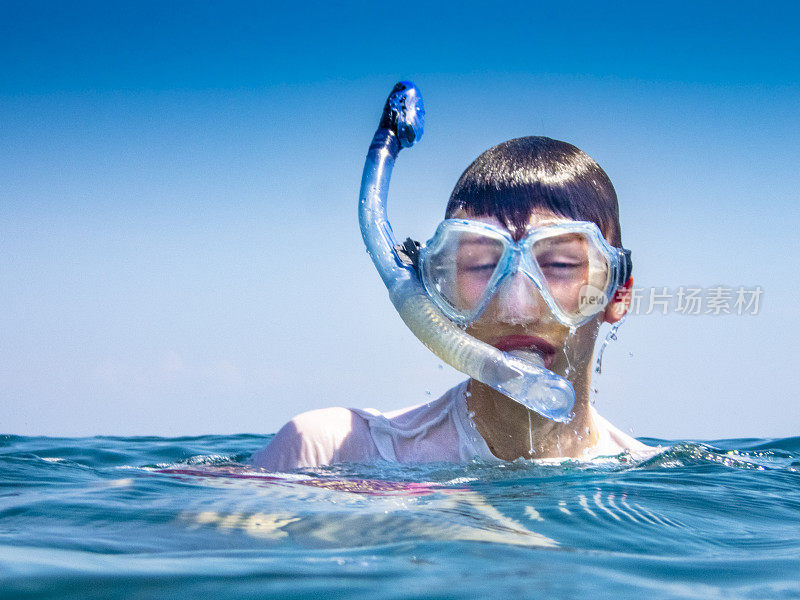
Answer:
(438, 431)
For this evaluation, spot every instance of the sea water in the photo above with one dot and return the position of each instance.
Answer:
(149, 517)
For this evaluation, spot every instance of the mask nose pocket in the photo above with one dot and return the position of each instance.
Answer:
(518, 299)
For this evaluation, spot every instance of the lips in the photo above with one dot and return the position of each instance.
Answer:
(527, 342)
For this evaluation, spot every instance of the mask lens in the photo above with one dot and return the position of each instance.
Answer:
(575, 272)
(460, 268)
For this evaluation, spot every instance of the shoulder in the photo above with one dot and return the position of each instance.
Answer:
(310, 439)
(613, 440)
(324, 421)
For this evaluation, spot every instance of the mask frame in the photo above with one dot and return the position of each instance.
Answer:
(518, 256)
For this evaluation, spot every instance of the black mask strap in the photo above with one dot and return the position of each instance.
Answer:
(408, 253)
(627, 267)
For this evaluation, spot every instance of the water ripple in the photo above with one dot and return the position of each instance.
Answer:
(176, 517)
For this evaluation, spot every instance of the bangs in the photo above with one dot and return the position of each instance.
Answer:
(517, 179)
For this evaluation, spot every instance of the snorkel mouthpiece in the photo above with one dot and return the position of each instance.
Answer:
(522, 378)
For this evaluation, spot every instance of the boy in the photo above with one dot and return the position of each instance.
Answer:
(521, 194)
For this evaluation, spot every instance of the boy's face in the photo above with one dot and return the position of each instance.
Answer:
(517, 316)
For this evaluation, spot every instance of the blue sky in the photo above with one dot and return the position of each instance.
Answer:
(179, 248)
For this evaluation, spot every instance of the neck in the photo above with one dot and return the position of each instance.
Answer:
(512, 431)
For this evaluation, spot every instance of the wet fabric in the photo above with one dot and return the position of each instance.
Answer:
(438, 431)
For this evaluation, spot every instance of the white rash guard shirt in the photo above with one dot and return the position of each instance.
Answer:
(438, 431)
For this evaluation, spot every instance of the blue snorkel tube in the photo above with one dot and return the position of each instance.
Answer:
(525, 381)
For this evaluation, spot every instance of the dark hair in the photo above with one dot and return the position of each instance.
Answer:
(511, 180)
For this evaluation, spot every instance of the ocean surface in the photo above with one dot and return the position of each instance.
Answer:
(148, 517)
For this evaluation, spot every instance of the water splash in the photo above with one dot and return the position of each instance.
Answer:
(567, 345)
(611, 335)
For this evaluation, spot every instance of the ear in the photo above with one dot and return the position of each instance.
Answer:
(620, 303)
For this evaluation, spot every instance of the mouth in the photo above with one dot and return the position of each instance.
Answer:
(529, 344)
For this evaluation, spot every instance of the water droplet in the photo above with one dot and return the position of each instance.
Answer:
(530, 434)
(611, 335)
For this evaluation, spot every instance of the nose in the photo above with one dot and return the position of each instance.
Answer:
(518, 300)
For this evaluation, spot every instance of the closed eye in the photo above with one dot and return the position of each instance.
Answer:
(484, 268)
(561, 265)
(564, 269)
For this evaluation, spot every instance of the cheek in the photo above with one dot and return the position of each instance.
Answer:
(567, 295)
(482, 331)
(470, 291)
(580, 345)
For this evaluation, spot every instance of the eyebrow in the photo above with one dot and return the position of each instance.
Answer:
(561, 240)
(548, 222)
(481, 240)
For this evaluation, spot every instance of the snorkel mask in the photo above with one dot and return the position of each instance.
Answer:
(435, 317)
(574, 268)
